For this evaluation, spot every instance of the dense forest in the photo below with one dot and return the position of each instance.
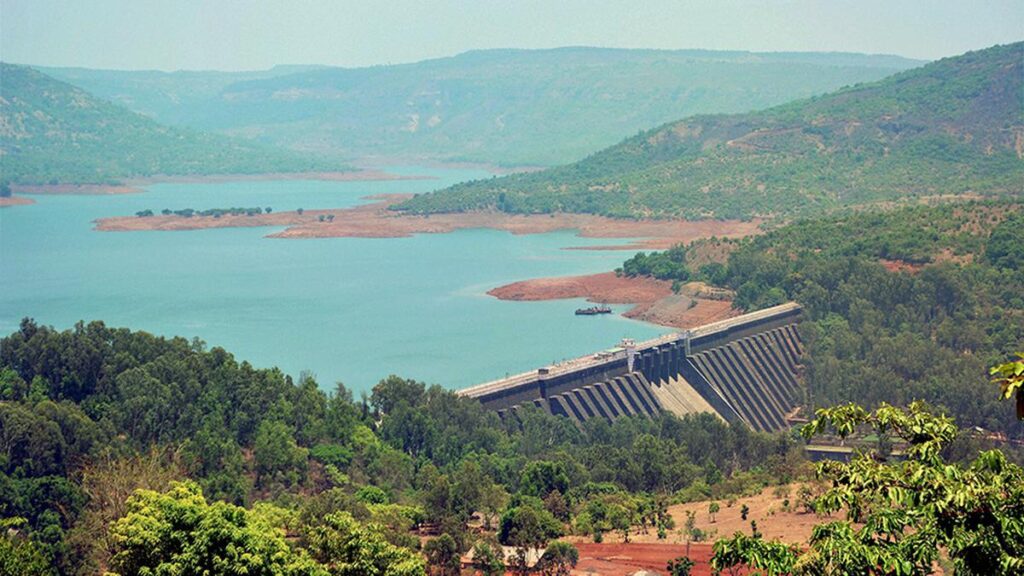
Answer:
(949, 127)
(905, 304)
(52, 132)
(90, 414)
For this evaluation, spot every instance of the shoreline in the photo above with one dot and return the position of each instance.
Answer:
(75, 189)
(364, 175)
(137, 185)
(15, 201)
(375, 220)
(653, 301)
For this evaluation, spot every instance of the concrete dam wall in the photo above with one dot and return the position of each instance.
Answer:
(742, 369)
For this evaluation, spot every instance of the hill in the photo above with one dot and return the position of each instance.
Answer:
(508, 107)
(51, 131)
(911, 303)
(951, 127)
(173, 98)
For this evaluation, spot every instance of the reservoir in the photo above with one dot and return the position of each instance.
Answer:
(345, 309)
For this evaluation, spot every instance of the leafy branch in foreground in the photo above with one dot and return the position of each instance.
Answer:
(1010, 377)
(900, 514)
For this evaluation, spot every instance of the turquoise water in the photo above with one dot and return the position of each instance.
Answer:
(346, 309)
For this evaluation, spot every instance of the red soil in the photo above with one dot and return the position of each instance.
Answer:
(15, 201)
(606, 287)
(646, 552)
(654, 299)
(626, 559)
(900, 266)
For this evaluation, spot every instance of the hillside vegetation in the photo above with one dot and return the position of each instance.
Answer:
(90, 414)
(909, 304)
(507, 107)
(53, 132)
(955, 126)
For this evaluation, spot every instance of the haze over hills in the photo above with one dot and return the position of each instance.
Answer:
(167, 97)
(51, 131)
(950, 127)
(508, 107)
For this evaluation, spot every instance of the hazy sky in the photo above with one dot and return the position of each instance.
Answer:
(246, 34)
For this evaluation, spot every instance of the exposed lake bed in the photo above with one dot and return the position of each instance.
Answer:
(378, 220)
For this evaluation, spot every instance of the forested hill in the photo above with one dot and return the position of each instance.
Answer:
(508, 107)
(51, 131)
(913, 303)
(953, 126)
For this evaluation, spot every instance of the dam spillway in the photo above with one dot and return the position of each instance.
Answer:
(742, 369)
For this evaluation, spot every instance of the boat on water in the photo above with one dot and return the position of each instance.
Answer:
(593, 310)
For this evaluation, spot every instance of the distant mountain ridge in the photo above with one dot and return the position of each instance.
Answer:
(507, 107)
(949, 127)
(51, 132)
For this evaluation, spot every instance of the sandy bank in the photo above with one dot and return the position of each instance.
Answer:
(179, 223)
(653, 299)
(75, 189)
(15, 201)
(135, 185)
(376, 221)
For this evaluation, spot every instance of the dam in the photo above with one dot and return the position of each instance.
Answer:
(743, 369)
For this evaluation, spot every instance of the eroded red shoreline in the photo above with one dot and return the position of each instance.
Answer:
(15, 201)
(653, 299)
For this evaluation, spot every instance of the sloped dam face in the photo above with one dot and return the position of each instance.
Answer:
(742, 369)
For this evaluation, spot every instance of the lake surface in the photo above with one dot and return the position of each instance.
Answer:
(346, 309)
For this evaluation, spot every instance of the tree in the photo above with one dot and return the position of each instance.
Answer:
(526, 525)
(713, 509)
(680, 566)
(488, 558)
(443, 556)
(1010, 377)
(805, 498)
(18, 555)
(493, 498)
(690, 526)
(744, 510)
(393, 391)
(349, 549)
(277, 455)
(178, 532)
(559, 559)
(1005, 247)
(900, 514)
(5, 189)
(621, 518)
(109, 483)
(541, 478)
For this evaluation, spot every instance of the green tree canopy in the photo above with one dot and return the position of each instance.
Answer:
(349, 549)
(178, 532)
(900, 514)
